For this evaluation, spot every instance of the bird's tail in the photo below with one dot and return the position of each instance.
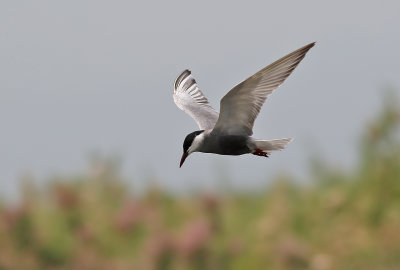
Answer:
(272, 145)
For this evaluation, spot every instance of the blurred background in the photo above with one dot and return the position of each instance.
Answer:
(91, 138)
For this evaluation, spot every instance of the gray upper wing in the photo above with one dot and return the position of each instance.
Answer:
(241, 105)
(191, 100)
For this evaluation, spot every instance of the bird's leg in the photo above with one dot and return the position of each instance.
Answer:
(259, 152)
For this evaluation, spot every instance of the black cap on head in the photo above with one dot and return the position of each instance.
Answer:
(189, 140)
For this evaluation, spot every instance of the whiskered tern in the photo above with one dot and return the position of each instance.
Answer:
(229, 132)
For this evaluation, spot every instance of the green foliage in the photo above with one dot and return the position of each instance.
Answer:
(341, 221)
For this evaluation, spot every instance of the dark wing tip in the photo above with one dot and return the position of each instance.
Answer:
(309, 46)
(298, 54)
(181, 77)
(306, 48)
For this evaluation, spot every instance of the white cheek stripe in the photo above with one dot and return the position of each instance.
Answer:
(198, 140)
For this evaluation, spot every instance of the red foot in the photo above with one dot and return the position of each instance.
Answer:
(259, 152)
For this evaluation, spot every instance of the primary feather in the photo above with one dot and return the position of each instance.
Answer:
(241, 105)
(191, 100)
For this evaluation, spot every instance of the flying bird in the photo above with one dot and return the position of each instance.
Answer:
(229, 132)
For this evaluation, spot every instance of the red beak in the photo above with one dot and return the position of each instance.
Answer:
(184, 156)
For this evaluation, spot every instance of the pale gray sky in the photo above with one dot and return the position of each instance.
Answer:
(83, 76)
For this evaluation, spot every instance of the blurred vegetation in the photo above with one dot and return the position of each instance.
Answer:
(342, 220)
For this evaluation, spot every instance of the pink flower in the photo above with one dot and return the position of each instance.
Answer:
(128, 216)
(12, 216)
(194, 238)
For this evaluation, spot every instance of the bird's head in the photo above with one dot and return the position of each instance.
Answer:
(191, 144)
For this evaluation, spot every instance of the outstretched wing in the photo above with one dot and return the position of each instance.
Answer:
(192, 101)
(241, 105)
